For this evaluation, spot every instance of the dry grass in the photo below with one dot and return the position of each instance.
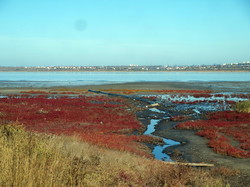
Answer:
(29, 159)
(243, 106)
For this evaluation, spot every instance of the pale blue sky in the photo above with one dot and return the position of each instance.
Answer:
(123, 32)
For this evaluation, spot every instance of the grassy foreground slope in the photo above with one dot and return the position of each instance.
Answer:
(30, 159)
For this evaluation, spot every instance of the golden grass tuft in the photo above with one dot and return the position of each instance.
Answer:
(242, 106)
(29, 159)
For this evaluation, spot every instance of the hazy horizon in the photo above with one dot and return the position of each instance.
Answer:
(111, 32)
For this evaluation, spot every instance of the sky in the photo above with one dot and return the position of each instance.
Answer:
(123, 32)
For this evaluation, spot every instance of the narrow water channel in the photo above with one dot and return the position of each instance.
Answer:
(158, 150)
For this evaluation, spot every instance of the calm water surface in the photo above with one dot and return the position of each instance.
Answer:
(47, 79)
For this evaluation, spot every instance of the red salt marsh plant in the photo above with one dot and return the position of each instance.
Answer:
(49, 92)
(134, 91)
(180, 118)
(34, 92)
(98, 120)
(184, 91)
(246, 96)
(119, 91)
(205, 95)
(152, 98)
(221, 128)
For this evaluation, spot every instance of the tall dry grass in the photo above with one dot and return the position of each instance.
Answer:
(29, 159)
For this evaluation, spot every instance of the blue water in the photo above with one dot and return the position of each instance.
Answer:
(151, 126)
(19, 79)
(158, 150)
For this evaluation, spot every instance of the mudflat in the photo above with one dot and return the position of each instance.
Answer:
(213, 86)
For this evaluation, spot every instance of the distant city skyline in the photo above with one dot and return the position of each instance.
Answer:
(112, 32)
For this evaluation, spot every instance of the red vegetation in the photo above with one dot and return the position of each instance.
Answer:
(44, 92)
(180, 118)
(230, 116)
(205, 95)
(99, 120)
(220, 95)
(220, 127)
(184, 91)
(133, 91)
(34, 92)
(246, 96)
(152, 98)
(119, 91)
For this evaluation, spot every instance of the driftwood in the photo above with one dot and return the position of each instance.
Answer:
(190, 164)
(154, 105)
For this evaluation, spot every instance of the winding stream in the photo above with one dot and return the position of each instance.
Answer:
(158, 149)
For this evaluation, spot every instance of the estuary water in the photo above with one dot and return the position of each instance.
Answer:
(49, 79)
